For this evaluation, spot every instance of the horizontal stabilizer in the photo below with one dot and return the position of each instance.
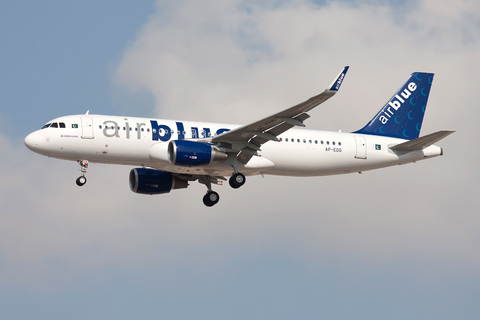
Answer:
(422, 142)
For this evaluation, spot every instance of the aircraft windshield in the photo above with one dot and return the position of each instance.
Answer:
(54, 125)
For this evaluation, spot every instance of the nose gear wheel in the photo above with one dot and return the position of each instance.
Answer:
(81, 181)
(83, 169)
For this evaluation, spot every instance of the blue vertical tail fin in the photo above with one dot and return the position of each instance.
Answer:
(402, 115)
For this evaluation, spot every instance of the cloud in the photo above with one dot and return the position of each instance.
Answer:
(233, 62)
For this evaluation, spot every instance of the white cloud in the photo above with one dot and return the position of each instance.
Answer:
(225, 62)
(222, 62)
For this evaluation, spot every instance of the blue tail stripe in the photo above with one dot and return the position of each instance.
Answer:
(402, 116)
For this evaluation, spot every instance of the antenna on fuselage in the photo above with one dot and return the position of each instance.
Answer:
(88, 111)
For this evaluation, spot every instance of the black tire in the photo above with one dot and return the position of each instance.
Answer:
(211, 198)
(81, 181)
(237, 180)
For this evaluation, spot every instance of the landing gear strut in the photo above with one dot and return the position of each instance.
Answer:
(83, 169)
(211, 197)
(237, 179)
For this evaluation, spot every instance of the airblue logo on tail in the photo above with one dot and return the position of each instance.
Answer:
(335, 86)
(402, 116)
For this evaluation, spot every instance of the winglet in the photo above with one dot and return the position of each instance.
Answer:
(335, 86)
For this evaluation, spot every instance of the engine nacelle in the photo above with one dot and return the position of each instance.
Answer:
(149, 181)
(192, 153)
(159, 153)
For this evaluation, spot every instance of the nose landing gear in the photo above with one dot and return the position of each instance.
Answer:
(83, 169)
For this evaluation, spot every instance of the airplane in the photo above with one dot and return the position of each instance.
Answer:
(169, 154)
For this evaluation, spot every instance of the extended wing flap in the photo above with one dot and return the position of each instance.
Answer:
(422, 142)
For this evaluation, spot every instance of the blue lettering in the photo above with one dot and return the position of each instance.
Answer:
(181, 131)
(220, 131)
(156, 128)
(164, 133)
(194, 133)
(206, 132)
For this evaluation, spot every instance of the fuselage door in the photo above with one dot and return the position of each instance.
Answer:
(361, 147)
(87, 128)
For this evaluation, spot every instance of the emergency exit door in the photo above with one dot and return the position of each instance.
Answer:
(361, 147)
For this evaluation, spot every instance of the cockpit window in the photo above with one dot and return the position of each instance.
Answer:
(54, 125)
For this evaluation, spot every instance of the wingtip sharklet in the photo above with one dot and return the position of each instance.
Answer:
(335, 86)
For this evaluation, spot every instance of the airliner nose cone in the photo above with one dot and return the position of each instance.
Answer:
(31, 141)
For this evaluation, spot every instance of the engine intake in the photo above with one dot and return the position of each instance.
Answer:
(149, 181)
(192, 153)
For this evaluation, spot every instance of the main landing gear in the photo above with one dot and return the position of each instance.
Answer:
(211, 198)
(83, 169)
(237, 180)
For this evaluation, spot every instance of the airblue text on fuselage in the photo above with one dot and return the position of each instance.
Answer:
(160, 132)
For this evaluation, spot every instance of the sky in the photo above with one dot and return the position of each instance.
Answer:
(395, 243)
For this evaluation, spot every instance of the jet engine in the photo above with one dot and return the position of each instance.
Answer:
(192, 153)
(149, 181)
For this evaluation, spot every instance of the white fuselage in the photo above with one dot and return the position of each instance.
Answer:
(301, 152)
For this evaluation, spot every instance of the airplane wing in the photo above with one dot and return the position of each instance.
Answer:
(248, 139)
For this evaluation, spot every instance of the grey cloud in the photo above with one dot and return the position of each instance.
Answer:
(200, 65)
